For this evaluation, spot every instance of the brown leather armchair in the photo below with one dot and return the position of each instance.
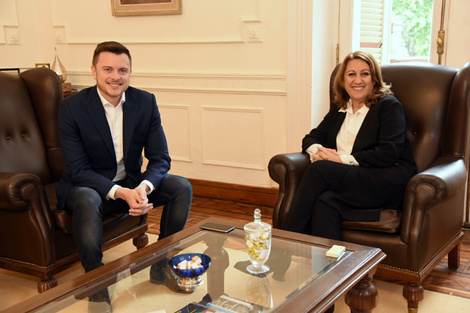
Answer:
(35, 237)
(429, 225)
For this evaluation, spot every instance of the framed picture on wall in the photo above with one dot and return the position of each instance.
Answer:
(145, 7)
(10, 70)
(48, 65)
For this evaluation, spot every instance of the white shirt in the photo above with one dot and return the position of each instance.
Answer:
(115, 121)
(347, 134)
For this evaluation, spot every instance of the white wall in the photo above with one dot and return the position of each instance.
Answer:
(25, 33)
(219, 70)
(325, 39)
(457, 41)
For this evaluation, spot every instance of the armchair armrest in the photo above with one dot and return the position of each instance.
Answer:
(446, 175)
(432, 199)
(11, 189)
(24, 191)
(287, 170)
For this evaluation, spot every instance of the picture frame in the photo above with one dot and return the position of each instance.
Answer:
(145, 7)
(47, 65)
(13, 70)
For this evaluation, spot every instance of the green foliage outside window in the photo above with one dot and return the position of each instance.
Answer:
(417, 17)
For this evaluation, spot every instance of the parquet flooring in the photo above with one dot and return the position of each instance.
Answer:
(203, 208)
(441, 278)
(444, 280)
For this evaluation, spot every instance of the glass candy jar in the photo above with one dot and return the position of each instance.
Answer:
(258, 244)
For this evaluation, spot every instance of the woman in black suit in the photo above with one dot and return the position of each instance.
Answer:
(361, 158)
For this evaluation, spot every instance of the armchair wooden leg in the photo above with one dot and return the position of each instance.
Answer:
(453, 258)
(46, 284)
(413, 294)
(140, 241)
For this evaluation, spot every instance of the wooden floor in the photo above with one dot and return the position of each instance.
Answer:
(440, 280)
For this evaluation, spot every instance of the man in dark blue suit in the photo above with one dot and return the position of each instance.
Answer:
(103, 131)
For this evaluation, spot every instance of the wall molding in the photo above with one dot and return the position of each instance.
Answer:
(187, 136)
(239, 193)
(257, 84)
(151, 41)
(258, 112)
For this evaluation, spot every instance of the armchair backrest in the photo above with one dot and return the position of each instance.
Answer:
(435, 100)
(29, 141)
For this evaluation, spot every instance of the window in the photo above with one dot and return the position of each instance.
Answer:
(393, 30)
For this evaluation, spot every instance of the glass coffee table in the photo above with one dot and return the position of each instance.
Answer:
(301, 277)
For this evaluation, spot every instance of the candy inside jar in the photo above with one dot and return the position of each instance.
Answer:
(258, 244)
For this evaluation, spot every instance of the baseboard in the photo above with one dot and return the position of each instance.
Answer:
(237, 193)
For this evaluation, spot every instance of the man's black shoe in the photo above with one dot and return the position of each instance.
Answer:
(100, 302)
(161, 274)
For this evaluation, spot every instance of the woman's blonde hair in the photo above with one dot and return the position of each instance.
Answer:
(379, 89)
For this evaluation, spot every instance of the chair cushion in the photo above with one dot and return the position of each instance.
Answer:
(63, 219)
(114, 223)
(389, 222)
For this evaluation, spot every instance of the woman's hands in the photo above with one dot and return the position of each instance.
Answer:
(325, 154)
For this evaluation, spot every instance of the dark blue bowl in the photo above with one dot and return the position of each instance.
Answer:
(174, 261)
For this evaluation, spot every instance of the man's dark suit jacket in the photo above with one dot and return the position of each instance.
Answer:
(88, 149)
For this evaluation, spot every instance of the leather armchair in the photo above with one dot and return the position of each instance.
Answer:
(429, 225)
(35, 237)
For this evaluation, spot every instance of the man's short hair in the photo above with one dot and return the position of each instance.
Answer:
(110, 46)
